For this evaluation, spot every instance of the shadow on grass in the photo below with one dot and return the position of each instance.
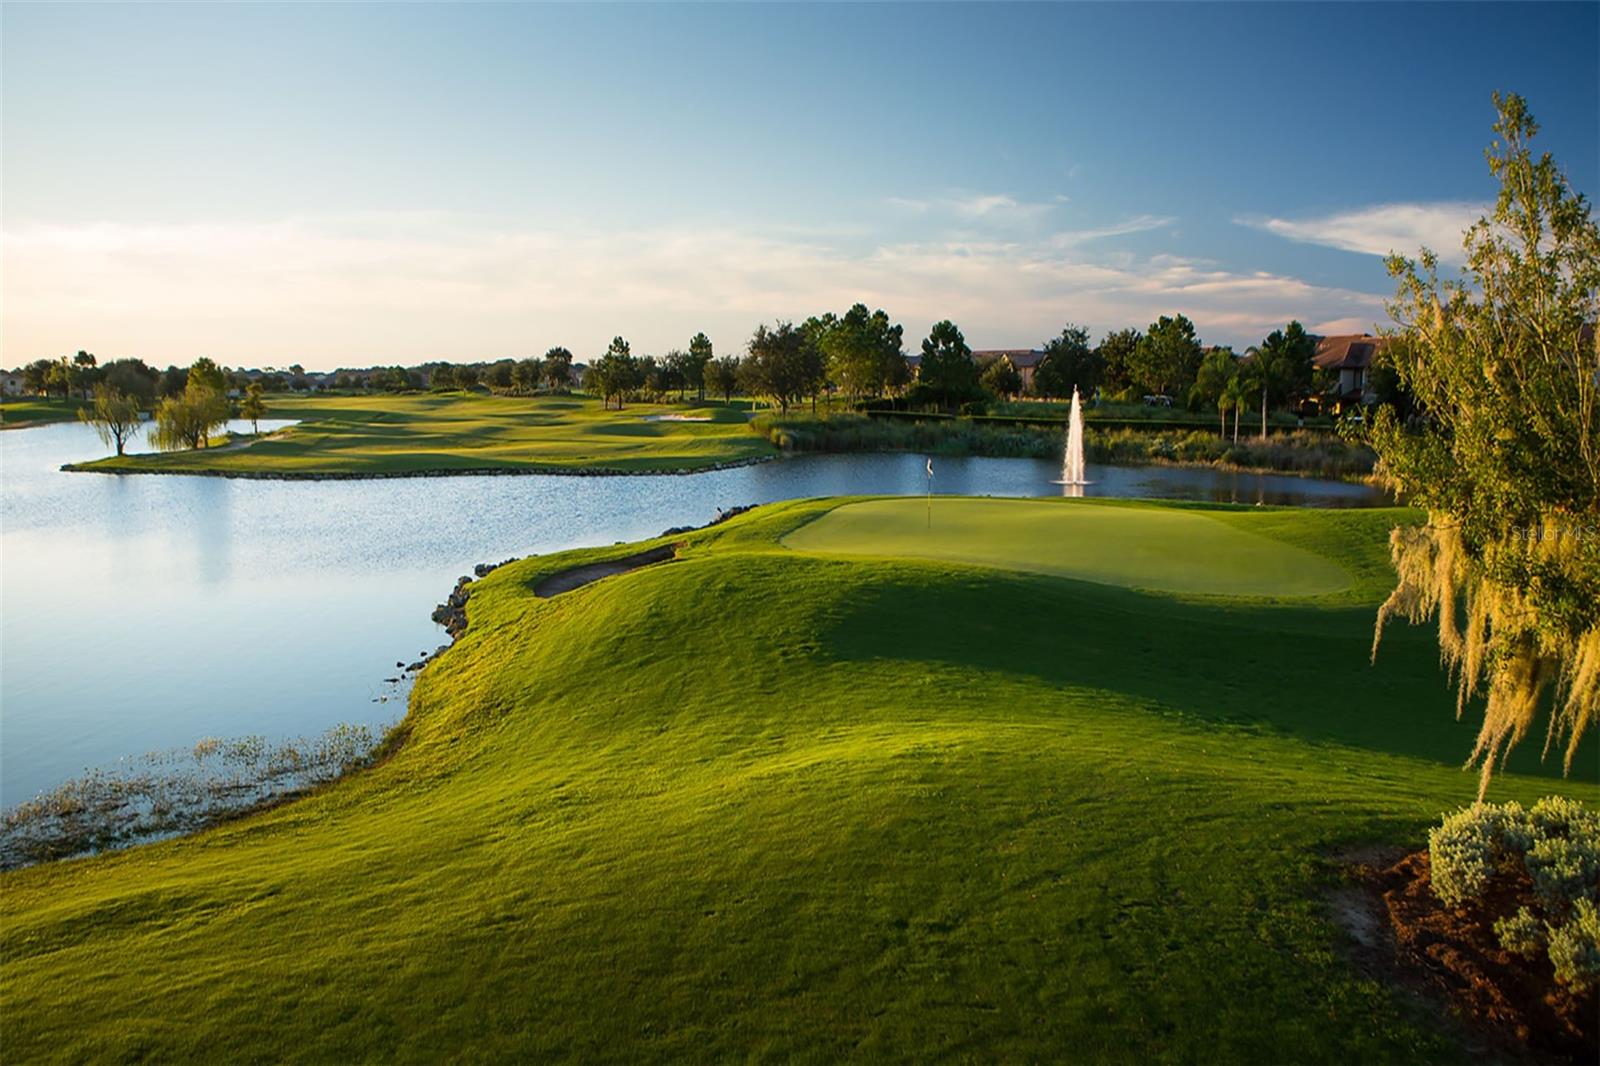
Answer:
(1299, 671)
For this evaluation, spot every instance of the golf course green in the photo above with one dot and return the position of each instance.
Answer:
(387, 434)
(819, 789)
(1164, 550)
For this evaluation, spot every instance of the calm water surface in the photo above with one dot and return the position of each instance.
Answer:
(141, 613)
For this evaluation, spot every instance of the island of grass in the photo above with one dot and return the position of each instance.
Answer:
(460, 433)
(831, 783)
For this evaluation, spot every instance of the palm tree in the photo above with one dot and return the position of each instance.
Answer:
(1235, 396)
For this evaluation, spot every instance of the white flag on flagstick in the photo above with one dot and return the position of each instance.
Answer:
(930, 467)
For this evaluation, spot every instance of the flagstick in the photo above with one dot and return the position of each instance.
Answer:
(930, 493)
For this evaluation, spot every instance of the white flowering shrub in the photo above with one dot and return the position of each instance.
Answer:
(1556, 846)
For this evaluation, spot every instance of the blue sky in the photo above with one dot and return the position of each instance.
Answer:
(340, 185)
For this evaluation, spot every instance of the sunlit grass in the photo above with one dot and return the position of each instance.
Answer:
(761, 802)
(389, 434)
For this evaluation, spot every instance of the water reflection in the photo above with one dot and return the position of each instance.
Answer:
(144, 613)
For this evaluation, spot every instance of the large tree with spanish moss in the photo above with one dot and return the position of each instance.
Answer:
(1505, 457)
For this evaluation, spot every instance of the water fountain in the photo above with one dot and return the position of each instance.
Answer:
(1072, 469)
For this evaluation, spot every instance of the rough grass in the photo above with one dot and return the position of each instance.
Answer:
(761, 802)
(411, 433)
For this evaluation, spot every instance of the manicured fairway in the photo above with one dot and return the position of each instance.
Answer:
(1140, 547)
(460, 431)
(19, 412)
(761, 803)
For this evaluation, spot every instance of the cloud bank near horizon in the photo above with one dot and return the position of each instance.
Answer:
(404, 288)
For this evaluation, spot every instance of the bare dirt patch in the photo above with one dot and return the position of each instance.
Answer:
(1512, 1009)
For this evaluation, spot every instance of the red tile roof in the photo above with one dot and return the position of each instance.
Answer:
(1352, 351)
(1020, 357)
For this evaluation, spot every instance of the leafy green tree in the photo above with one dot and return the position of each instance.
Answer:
(500, 375)
(1068, 363)
(186, 421)
(1002, 378)
(723, 376)
(526, 375)
(675, 371)
(443, 378)
(1283, 363)
(1218, 369)
(778, 366)
(207, 374)
(173, 381)
(864, 352)
(1505, 363)
(36, 376)
(1236, 395)
(558, 369)
(253, 406)
(59, 378)
(1385, 383)
(947, 369)
(1116, 358)
(84, 372)
(1167, 357)
(114, 416)
(466, 378)
(131, 377)
(615, 373)
(651, 377)
(700, 356)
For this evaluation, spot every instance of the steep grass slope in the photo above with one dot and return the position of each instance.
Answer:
(764, 803)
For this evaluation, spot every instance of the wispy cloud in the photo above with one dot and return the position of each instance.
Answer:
(1137, 224)
(357, 289)
(1001, 208)
(1382, 228)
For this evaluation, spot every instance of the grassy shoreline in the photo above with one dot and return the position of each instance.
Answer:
(1311, 454)
(1057, 815)
(26, 412)
(441, 435)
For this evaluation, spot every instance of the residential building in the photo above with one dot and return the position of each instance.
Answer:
(1348, 358)
(1026, 360)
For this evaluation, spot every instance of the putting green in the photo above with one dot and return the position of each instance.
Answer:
(1162, 549)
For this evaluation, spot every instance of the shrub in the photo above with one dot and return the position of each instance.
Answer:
(1575, 948)
(1490, 853)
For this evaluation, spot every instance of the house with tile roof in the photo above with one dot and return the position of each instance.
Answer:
(1026, 360)
(1347, 359)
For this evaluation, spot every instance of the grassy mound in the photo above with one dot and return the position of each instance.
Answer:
(762, 801)
(397, 434)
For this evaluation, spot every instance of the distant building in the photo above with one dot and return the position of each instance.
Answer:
(1349, 357)
(1026, 360)
(11, 383)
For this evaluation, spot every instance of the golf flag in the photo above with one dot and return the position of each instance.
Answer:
(930, 467)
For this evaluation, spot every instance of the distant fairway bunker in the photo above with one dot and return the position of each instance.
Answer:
(1158, 548)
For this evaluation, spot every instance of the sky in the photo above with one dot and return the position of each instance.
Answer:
(345, 185)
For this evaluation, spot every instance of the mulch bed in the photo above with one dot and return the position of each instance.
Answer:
(1512, 1004)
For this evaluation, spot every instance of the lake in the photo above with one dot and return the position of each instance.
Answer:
(142, 613)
